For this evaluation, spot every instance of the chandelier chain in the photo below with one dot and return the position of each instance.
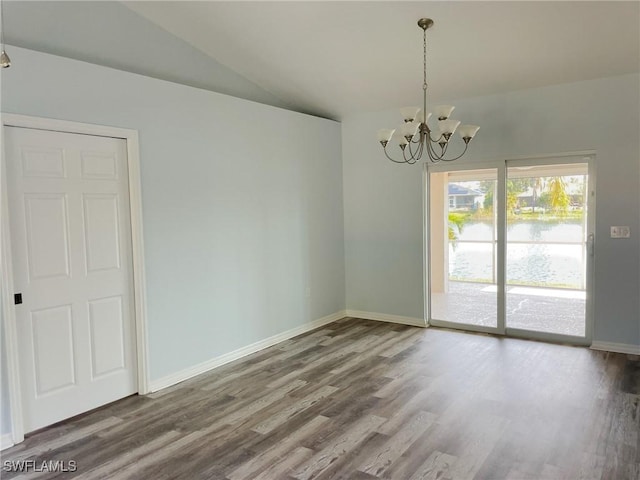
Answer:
(1, 25)
(424, 58)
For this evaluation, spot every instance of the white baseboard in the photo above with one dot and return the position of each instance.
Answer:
(190, 372)
(6, 441)
(616, 347)
(384, 317)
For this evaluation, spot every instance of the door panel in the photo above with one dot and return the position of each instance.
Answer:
(107, 338)
(546, 248)
(71, 247)
(463, 243)
(101, 232)
(47, 233)
(42, 162)
(53, 349)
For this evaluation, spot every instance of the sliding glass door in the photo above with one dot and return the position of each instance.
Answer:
(509, 247)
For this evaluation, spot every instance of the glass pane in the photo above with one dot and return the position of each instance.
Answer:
(546, 248)
(462, 235)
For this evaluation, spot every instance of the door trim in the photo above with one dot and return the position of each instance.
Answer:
(139, 283)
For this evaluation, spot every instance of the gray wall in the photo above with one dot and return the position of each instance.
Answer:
(108, 33)
(383, 201)
(242, 203)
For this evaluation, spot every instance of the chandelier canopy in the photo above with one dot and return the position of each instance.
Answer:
(414, 136)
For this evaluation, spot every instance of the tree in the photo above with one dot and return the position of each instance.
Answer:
(456, 224)
(514, 188)
(544, 200)
(558, 198)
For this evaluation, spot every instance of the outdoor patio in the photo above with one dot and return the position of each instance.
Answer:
(559, 311)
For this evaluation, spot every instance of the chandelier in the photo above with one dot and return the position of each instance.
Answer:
(415, 137)
(5, 61)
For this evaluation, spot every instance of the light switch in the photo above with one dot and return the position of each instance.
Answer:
(620, 232)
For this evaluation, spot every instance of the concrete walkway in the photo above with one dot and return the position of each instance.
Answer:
(550, 310)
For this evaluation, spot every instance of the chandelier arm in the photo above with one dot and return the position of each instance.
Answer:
(434, 150)
(413, 155)
(456, 158)
(418, 153)
(393, 160)
(412, 158)
(440, 157)
(434, 140)
(433, 156)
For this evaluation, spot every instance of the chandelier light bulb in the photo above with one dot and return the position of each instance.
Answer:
(448, 126)
(442, 112)
(5, 61)
(384, 135)
(467, 132)
(409, 114)
(410, 129)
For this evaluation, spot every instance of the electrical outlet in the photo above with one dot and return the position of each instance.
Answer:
(621, 232)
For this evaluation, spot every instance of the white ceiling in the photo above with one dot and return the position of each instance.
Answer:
(336, 58)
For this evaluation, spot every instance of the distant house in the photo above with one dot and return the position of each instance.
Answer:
(526, 199)
(463, 198)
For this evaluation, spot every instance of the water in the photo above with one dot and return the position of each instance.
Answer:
(527, 263)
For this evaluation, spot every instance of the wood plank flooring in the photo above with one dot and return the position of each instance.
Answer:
(366, 400)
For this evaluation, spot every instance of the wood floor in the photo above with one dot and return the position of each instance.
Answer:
(366, 400)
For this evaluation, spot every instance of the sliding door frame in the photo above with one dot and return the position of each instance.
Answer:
(501, 165)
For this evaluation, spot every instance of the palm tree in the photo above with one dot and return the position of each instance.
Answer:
(456, 220)
(558, 197)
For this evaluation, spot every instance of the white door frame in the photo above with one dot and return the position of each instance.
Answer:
(501, 164)
(139, 285)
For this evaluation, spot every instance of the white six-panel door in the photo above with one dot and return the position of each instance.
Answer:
(72, 261)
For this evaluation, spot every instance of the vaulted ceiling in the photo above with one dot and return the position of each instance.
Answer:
(335, 58)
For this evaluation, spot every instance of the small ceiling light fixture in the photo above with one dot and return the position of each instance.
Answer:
(415, 135)
(5, 61)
